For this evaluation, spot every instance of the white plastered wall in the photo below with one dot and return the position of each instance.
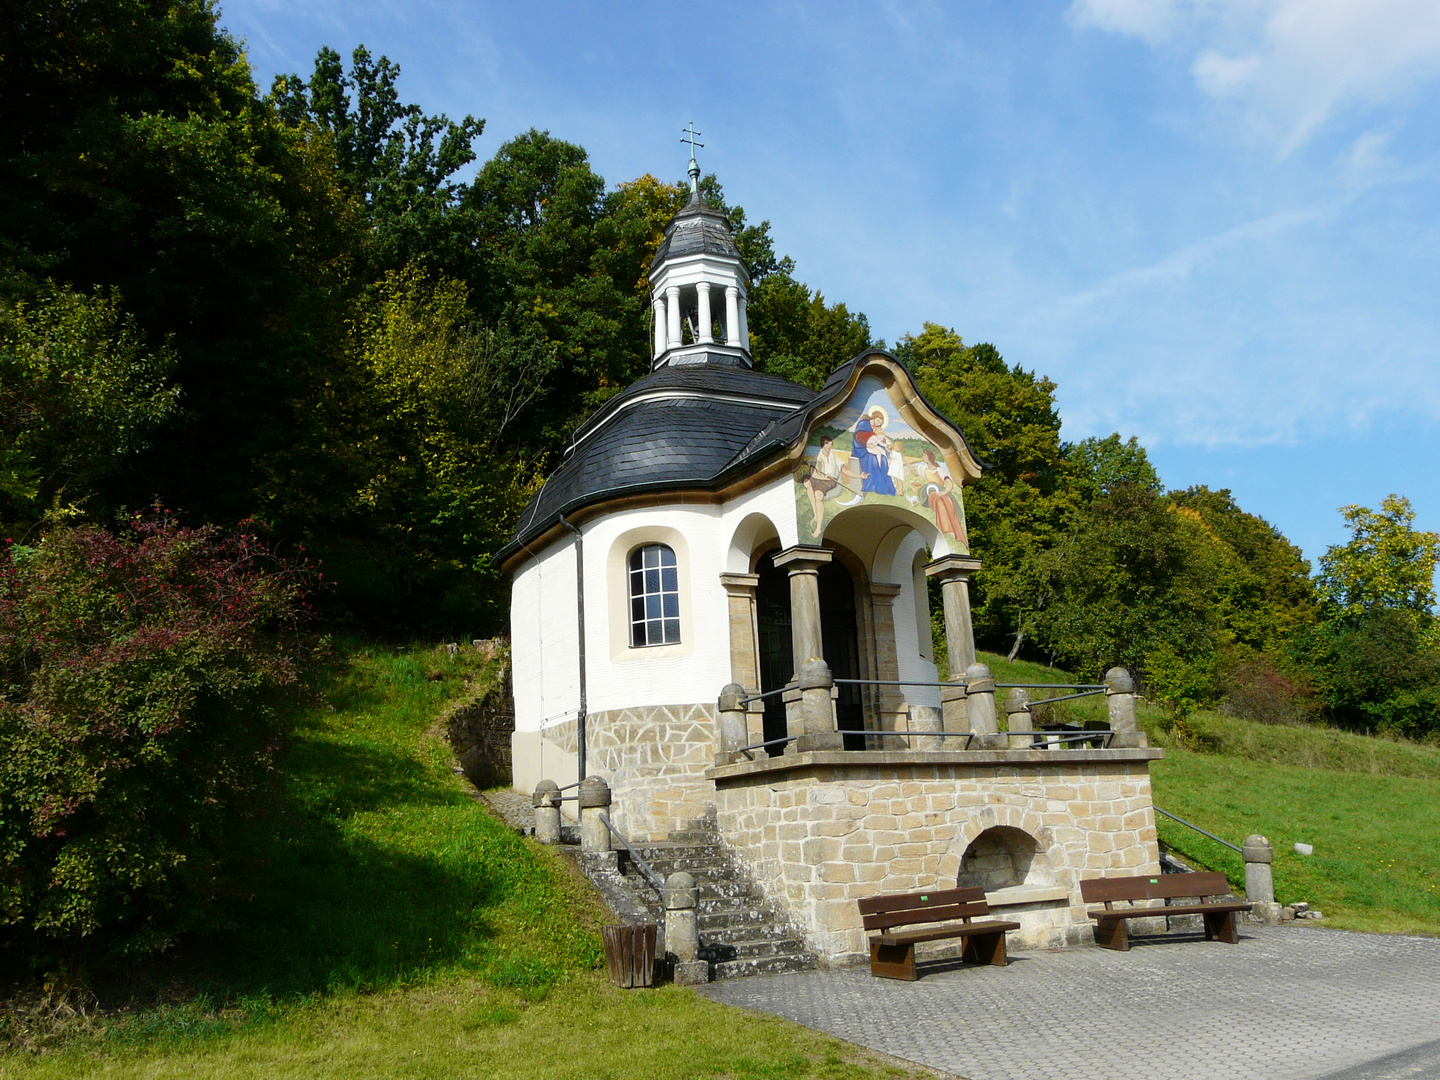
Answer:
(543, 624)
(895, 559)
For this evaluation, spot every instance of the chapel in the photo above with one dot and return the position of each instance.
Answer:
(720, 607)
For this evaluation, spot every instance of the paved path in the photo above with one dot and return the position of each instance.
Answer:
(1287, 1003)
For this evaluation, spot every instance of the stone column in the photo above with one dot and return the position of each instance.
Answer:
(744, 326)
(661, 334)
(980, 704)
(704, 321)
(594, 800)
(682, 938)
(546, 802)
(803, 564)
(953, 572)
(672, 317)
(744, 630)
(889, 700)
(1259, 881)
(734, 732)
(1020, 722)
(732, 315)
(924, 719)
(1120, 701)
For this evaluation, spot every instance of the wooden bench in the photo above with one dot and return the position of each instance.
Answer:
(1219, 916)
(892, 952)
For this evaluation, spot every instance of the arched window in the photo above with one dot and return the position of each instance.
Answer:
(654, 597)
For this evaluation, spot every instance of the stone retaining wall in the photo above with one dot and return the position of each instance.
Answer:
(820, 831)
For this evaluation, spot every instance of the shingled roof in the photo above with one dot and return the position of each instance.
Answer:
(676, 427)
(698, 228)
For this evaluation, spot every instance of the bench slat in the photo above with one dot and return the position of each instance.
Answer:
(1158, 912)
(948, 913)
(930, 898)
(903, 937)
(1153, 887)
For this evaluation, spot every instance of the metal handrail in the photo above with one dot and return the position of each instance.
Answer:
(1202, 832)
(1067, 697)
(1050, 686)
(650, 875)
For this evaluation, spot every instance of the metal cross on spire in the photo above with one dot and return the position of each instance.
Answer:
(688, 134)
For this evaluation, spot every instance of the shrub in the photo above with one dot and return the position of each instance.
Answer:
(140, 675)
(1255, 689)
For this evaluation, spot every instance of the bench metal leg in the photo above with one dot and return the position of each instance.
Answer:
(1221, 927)
(985, 949)
(1111, 934)
(892, 961)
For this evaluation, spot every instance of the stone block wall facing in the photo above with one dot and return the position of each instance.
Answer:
(823, 830)
(656, 761)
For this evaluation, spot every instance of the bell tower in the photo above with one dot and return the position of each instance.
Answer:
(699, 285)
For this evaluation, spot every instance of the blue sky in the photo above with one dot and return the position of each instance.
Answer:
(1215, 225)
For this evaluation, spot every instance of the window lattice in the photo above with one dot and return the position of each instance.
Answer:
(654, 597)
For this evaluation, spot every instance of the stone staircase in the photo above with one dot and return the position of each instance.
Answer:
(740, 933)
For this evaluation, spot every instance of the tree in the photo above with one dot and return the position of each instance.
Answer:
(1018, 507)
(399, 161)
(1375, 653)
(78, 393)
(1098, 466)
(1128, 578)
(1388, 563)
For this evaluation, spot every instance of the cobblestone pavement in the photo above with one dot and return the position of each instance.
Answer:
(1287, 1003)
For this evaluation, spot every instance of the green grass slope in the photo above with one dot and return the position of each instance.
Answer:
(396, 929)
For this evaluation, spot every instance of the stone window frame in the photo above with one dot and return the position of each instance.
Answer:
(618, 593)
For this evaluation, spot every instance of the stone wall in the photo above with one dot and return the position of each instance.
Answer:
(656, 761)
(820, 831)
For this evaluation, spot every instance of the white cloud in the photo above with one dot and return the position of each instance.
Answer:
(1290, 65)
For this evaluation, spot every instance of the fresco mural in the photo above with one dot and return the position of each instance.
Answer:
(867, 454)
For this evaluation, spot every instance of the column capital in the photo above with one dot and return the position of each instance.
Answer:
(803, 559)
(739, 584)
(883, 592)
(950, 567)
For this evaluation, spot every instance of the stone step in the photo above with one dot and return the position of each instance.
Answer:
(721, 921)
(665, 850)
(752, 949)
(764, 965)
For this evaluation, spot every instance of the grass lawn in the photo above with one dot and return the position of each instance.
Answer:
(397, 929)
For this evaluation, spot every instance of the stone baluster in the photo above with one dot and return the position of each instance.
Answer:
(1259, 879)
(682, 938)
(817, 708)
(1021, 723)
(594, 800)
(734, 727)
(546, 802)
(980, 704)
(1120, 701)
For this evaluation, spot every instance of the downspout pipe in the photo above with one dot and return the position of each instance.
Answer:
(580, 623)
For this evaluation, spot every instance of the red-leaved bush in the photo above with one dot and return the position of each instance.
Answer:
(140, 679)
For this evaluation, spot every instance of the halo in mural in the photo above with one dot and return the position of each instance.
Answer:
(866, 454)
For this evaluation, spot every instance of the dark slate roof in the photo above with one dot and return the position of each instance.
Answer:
(697, 228)
(676, 427)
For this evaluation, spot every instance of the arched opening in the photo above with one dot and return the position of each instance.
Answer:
(1002, 857)
(839, 636)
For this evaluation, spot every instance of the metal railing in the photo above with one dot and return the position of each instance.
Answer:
(1202, 832)
(650, 875)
